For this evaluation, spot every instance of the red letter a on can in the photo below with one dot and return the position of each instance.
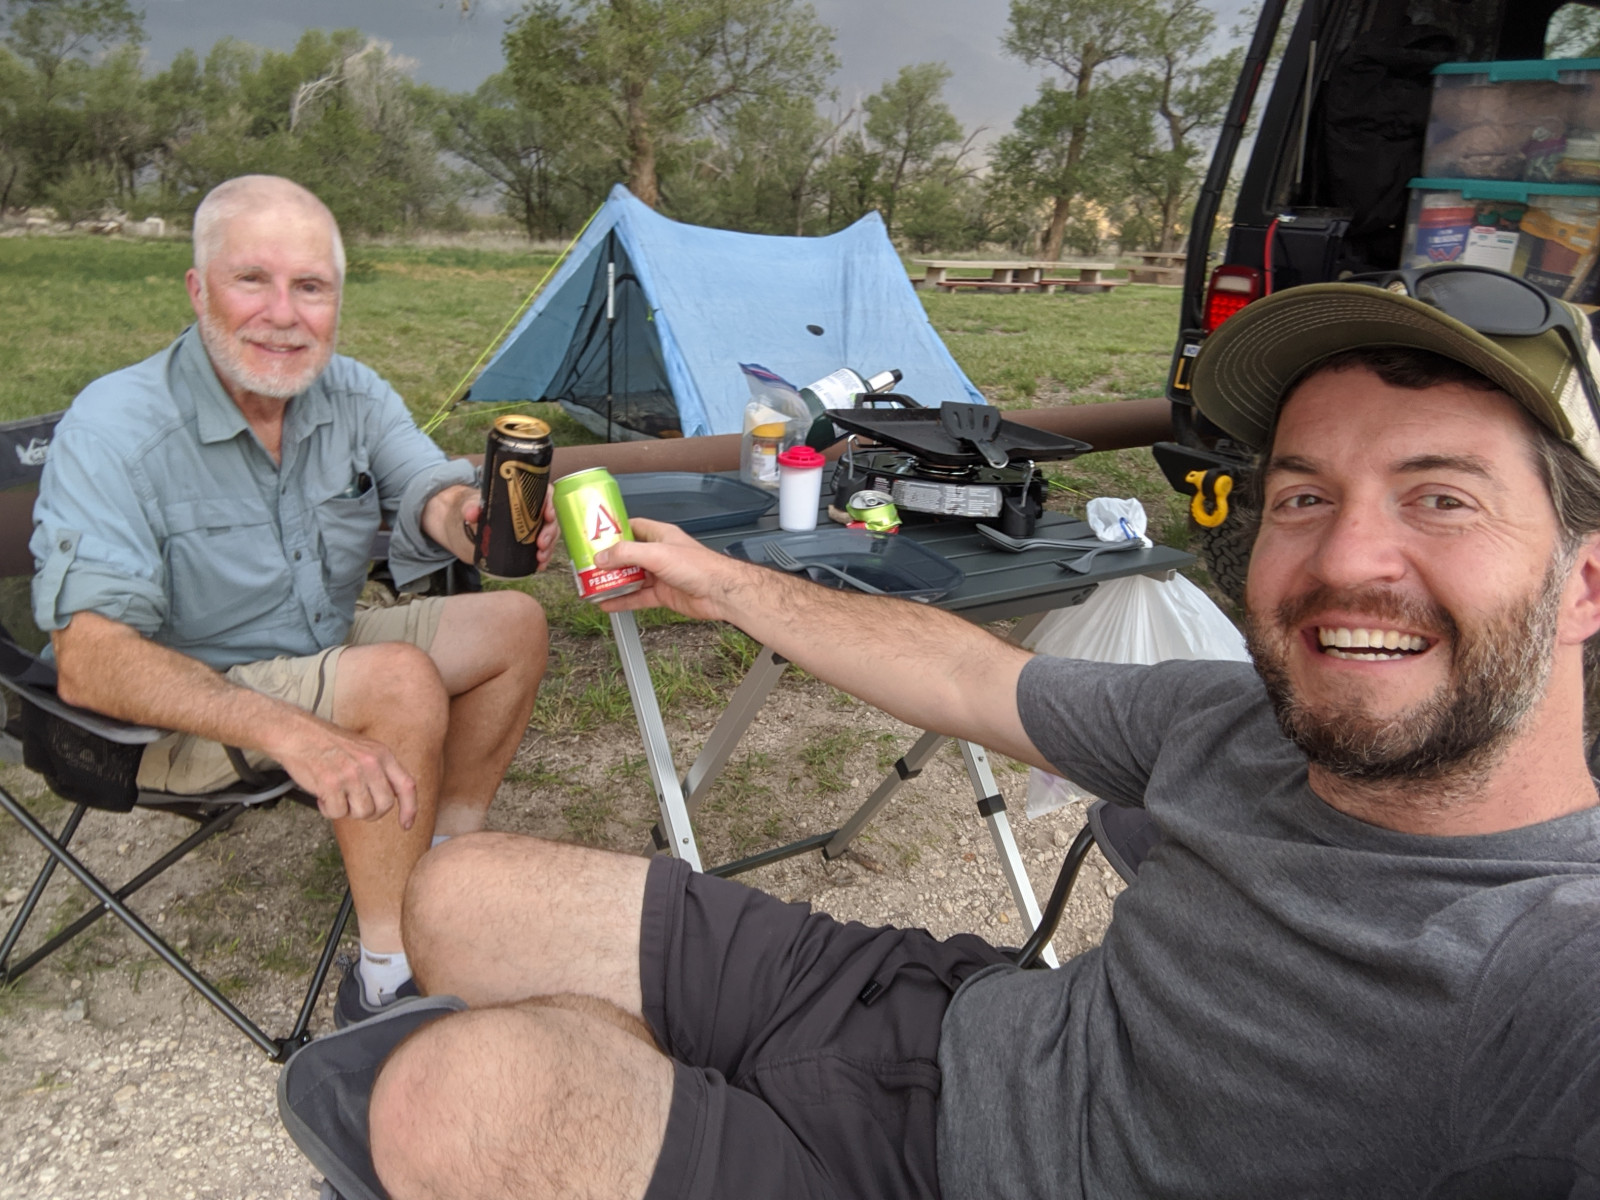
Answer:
(604, 524)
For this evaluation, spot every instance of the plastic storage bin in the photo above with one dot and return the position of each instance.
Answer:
(1537, 119)
(1547, 233)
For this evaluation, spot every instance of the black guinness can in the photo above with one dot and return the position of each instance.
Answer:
(516, 472)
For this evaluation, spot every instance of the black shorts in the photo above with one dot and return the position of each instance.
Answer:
(806, 1050)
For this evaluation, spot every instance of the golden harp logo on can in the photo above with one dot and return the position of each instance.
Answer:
(516, 471)
(525, 491)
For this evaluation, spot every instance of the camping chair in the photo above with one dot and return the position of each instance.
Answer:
(1125, 836)
(91, 761)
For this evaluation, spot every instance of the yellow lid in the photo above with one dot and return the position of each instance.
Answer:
(775, 429)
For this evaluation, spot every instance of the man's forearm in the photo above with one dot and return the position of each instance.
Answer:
(927, 667)
(443, 519)
(109, 667)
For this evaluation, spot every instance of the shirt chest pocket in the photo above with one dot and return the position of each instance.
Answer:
(225, 568)
(346, 526)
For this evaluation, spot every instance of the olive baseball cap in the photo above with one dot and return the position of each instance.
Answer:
(1246, 368)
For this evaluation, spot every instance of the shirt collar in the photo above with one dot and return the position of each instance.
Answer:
(217, 417)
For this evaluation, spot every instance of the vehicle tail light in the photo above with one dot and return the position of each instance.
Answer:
(1231, 288)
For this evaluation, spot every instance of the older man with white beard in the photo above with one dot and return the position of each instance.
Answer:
(1362, 959)
(202, 536)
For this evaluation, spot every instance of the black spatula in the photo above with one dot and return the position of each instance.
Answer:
(975, 423)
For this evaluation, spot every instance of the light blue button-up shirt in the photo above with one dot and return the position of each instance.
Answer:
(160, 509)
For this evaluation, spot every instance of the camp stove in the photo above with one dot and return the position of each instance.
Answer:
(928, 471)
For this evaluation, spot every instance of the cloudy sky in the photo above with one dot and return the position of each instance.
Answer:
(875, 39)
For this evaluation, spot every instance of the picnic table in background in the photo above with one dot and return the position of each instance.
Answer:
(1157, 266)
(1010, 275)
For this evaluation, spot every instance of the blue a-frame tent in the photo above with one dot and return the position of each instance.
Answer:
(643, 329)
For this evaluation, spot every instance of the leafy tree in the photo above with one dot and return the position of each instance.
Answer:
(338, 113)
(1186, 100)
(849, 180)
(1574, 32)
(909, 123)
(43, 83)
(658, 71)
(534, 159)
(15, 94)
(49, 35)
(761, 169)
(1080, 39)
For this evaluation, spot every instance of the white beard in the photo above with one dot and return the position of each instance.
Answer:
(279, 382)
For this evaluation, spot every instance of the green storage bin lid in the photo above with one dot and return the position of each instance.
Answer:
(1524, 68)
(1504, 189)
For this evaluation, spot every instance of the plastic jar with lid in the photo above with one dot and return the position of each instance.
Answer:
(758, 457)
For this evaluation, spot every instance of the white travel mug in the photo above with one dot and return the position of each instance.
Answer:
(799, 488)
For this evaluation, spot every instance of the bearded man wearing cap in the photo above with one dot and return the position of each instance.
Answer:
(1362, 960)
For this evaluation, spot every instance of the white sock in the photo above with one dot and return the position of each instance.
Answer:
(382, 974)
(438, 839)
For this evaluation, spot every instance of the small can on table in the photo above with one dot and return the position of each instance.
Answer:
(592, 516)
(516, 471)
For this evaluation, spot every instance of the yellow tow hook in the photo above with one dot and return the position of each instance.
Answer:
(1209, 504)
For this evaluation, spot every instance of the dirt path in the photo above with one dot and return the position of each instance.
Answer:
(115, 1082)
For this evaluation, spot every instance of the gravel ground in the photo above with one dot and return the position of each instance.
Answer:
(117, 1082)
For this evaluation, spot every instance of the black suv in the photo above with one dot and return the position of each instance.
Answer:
(1324, 193)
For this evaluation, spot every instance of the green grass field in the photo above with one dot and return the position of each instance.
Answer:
(78, 307)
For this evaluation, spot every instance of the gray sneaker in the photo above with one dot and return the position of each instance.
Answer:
(350, 1004)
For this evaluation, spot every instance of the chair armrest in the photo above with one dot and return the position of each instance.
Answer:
(33, 680)
(109, 728)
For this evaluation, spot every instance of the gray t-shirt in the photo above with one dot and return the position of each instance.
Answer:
(1289, 1002)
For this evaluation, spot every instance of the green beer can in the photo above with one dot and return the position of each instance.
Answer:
(592, 516)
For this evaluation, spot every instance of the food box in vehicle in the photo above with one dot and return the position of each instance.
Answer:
(1547, 233)
(1537, 119)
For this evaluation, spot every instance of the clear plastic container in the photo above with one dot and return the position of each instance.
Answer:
(1546, 233)
(758, 453)
(1533, 119)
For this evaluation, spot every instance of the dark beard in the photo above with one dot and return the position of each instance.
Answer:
(1498, 673)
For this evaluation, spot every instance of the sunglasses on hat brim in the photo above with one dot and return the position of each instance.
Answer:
(1492, 303)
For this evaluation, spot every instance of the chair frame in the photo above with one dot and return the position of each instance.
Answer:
(1123, 848)
(214, 813)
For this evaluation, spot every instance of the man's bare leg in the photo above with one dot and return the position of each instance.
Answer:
(491, 649)
(495, 918)
(390, 692)
(532, 1099)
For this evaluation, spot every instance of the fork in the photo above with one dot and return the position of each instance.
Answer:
(1006, 542)
(781, 558)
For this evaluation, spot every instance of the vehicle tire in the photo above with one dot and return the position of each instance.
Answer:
(1225, 551)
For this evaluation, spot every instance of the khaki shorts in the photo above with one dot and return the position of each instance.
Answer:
(186, 764)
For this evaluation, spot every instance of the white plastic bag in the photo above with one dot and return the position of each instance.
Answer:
(1116, 520)
(1131, 620)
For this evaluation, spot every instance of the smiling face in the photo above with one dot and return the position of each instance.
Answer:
(1406, 586)
(268, 300)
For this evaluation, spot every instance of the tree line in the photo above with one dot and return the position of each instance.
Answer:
(718, 112)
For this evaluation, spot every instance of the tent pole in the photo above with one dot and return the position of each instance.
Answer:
(611, 324)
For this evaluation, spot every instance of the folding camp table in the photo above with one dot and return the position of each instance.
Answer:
(998, 585)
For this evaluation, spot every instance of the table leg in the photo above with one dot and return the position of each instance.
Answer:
(909, 767)
(1019, 632)
(993, 807)
(746, 701)
(679, 834)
